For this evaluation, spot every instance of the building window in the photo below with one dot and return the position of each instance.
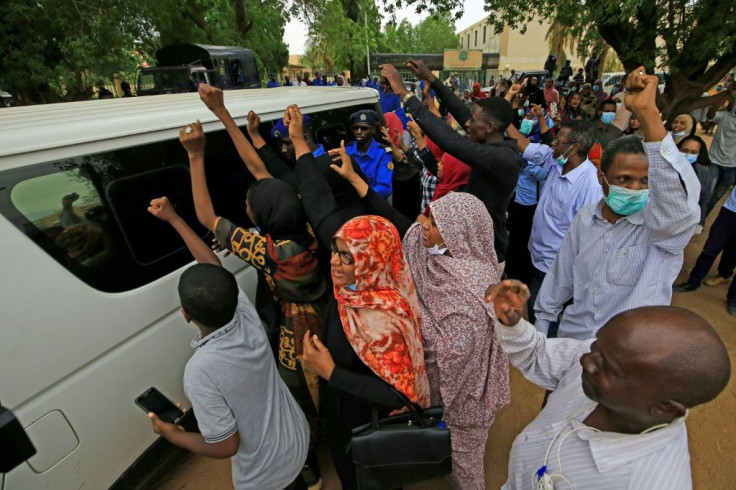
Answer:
(468, 40)
(484, 34)
(476, 39)
(462, 41)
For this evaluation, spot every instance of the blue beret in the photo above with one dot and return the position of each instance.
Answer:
(365, 116)
(280, 131)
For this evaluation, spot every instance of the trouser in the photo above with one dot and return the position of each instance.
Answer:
(468, 450)
(518, 258)
(302, 385)
(722, 238)
(722, 178)
(534, 285)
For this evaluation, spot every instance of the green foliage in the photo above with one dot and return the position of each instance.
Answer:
(434, 34)
(58, 50)
(339, 31)
(693, 40)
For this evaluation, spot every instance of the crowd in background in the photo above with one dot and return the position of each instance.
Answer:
(380, 268)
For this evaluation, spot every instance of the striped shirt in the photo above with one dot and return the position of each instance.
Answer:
(609, 268)
(584, 456)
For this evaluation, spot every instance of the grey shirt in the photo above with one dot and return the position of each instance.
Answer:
(234, 386)
(723, 149)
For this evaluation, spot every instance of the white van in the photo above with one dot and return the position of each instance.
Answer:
(89, 311)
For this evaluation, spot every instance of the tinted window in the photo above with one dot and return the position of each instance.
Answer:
(89, 212)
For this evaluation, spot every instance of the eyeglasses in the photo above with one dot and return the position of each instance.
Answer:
(556, 142)
(345, 258)
(361, 128)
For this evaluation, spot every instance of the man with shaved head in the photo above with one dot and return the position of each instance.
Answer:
(616, 415)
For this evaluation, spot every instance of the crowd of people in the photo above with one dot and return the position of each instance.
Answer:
(395, 266)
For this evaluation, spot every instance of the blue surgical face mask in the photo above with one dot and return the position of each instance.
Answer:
(623, 201)
(526, 127)
(608, 117)
(521, 112)
(351, 286)
(690, 158)
(562, 159)
(596, 88)
(679, 134)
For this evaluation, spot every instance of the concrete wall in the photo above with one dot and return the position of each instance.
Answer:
(520, 52)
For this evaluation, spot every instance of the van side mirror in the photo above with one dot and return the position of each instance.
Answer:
(15, 446)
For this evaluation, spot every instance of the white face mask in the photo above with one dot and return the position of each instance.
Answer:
(436, 250)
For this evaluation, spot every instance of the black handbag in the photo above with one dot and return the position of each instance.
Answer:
(403, 449)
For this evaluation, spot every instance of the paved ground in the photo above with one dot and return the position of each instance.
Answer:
(711, 427)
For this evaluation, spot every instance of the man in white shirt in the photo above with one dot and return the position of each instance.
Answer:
(616, 417)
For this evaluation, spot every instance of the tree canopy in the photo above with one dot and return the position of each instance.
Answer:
(56, 50)
(694, 41)
(339, 31)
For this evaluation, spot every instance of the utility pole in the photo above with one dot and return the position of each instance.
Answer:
(367, 48)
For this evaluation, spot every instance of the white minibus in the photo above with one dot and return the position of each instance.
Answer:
(89, 311)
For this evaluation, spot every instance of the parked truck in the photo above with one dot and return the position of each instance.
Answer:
(182, 67)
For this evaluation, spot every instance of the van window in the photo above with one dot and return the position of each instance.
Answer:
(89, 212)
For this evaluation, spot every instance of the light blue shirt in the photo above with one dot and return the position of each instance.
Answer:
(609, 268)
(731, 202)
(563, 196)
(530, 184)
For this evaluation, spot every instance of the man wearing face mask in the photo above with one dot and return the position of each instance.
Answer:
(606, 130)
(625, 251)
(571, 184)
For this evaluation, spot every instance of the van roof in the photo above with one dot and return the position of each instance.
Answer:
(40, 133)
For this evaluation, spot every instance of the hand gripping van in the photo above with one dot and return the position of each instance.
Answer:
(89, 312)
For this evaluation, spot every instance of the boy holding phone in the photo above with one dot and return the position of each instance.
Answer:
(243, 409)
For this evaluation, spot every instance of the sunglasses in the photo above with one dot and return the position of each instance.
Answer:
(345, 258)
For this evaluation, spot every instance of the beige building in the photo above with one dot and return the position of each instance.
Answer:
(517, 51)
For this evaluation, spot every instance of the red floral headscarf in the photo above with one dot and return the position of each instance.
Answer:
(381, 317)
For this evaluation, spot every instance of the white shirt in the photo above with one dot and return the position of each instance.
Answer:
(587, 458)
(609, 268)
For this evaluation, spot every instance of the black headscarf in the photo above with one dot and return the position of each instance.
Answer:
(278, 211)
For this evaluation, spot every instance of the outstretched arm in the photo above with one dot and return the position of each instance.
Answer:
(163, 210)
(672, 212)
(192, 138)
(214, 100)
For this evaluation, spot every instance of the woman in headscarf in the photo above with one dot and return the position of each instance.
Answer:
(695, 151)
(477, 92)
(451, 258)
(682, 126)
(573, 109)
(453, 175)
(372, 347)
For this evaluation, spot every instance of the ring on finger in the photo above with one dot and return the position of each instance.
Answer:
(188, 130)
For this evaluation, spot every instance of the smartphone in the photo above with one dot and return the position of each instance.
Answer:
(553, 109)
(154, 401)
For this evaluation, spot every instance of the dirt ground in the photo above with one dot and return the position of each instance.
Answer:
(712, 431)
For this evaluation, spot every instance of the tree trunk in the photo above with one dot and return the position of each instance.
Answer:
(241, 19)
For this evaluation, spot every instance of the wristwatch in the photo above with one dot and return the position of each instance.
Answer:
(406, 97)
